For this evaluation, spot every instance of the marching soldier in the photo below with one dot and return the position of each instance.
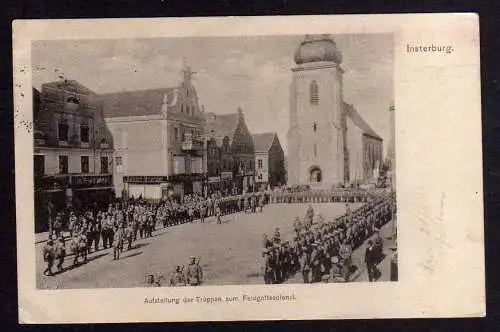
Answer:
(304, 265)
(48, 256)
(194, 274)
(268, 267)
(203, 211)
(60, 253)
(117, 243)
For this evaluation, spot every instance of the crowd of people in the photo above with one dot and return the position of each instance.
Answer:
(123, 223)
(321, 251)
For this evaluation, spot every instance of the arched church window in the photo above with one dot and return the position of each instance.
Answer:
(314, 127)
(313, 93)
(315, 150)
(315, 175)
(188, 108)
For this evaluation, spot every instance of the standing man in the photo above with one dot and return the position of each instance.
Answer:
(117, 242)
(60, 253)
(304, 265)
(370, 261)
(48, 256)
(194, 274)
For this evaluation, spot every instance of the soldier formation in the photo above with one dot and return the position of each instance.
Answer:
(321, 251)
(125, 222)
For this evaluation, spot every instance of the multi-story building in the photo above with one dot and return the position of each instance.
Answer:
(158, 140)
(329, 143)
(73, 150)
(230, 153)
(269, 161)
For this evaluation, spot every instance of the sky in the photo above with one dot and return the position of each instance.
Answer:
(253, 73)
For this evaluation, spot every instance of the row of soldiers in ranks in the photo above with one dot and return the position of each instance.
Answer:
(130, 220)
(322, 251)
(171, 213)
(321, 196)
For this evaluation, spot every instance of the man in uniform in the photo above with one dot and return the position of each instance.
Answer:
(117, 242)
(177, 278)
(194, 274)
(203, 211)
(268, 267)
(304, 265)
(370, 261)
(48, 256)
(60, 253)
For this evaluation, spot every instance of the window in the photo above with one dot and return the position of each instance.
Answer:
(39, 166)
(84, 162)
(259, 163)
(315, 150)
(314, 127)
(260, 176)
(62, 131)
(63, 164)
(104, 165)
(313, 93)
(188, 109)
(84, 133)
(176, 134)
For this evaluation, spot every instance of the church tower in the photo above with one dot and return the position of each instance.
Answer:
(316, 136)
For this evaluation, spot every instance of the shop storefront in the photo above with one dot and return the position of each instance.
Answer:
(62, 192)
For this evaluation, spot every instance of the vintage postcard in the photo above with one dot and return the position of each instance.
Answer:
(248, 168)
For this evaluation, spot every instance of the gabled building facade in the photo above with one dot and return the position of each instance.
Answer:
(159, 144)
(73, 150)
(269, 161)
(230, 153)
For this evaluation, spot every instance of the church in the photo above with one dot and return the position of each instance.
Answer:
(329, 143)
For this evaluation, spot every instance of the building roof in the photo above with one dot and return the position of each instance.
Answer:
(221, 125)
(360, 122)
(262, 142)
(135, 103)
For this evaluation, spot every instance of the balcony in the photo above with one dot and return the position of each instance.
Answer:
(191, 143)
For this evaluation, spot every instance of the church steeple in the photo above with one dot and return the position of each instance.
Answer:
(188, 73)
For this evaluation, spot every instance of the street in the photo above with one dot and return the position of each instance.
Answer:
(230, 252)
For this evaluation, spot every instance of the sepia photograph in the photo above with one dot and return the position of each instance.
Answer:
(248, 168)
(214, 161)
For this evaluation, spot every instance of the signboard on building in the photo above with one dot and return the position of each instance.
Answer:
(226, 175)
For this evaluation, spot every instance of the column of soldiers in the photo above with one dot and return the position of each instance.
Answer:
(322, 196)
(123, 223)
(321, 251)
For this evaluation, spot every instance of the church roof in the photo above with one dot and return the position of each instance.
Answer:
(135, 103)
(262, 142)
(360, 122)
(221, 125)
